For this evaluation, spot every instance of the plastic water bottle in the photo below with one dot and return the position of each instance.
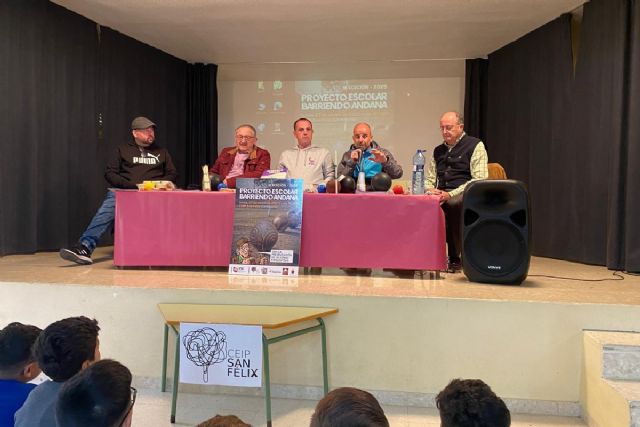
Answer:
(417, 179)
(361, 185)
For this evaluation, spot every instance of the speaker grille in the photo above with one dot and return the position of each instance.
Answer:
(495, 248)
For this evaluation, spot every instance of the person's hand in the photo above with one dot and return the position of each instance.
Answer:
(171, 185)
(378, 156)
(444, 196)
(355, 154)
(225, 181)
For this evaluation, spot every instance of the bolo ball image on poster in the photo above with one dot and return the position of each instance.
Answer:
(331, 186)
(348, 185)
(295, 218)
(281, 222)
(264, 235)
(381, 181)
(215, 181)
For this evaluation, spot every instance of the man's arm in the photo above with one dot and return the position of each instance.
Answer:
(346, 166)
(478, 167)
(112, 172)
(430, 181)
(216, 165)
(391, 166)
(170, 171)
(328, 168)
(281, 162)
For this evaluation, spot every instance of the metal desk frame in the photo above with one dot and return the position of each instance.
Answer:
(266, 342)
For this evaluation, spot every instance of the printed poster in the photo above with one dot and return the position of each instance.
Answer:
(266, 227)
(218, 354)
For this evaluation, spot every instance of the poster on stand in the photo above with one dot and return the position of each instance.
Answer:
(267, 223)
(220, 354)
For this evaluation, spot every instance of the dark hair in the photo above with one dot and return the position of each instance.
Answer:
(224, 421)
(16, 341)
(348, 407)
(65, 345)
(300, 120)
(471, 403)
(98, 396)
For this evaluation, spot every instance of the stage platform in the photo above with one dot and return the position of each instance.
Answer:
(400, 335)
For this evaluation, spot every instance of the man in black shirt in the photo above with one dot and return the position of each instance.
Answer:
(132, 163)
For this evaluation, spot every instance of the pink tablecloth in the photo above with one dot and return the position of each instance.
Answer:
(183, 228)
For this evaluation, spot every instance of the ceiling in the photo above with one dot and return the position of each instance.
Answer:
(324, 39)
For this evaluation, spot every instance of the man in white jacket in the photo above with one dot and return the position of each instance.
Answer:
(308, 162)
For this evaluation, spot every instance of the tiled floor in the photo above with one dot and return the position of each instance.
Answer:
(153, 410)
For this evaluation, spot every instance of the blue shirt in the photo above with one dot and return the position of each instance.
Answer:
(40, 408)
(370, 167)
(12, 396)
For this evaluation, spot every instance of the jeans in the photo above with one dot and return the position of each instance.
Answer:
(101, 222)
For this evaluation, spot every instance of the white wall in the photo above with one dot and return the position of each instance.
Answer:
(525, 350)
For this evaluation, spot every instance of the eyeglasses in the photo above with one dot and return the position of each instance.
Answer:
(126, 413)
(244, 138)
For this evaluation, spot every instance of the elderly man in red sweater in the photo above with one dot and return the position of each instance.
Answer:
(244, 160)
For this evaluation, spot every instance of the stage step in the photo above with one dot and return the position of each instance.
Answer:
(610, 395)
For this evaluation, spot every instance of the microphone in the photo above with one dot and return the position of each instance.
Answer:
(358, 149)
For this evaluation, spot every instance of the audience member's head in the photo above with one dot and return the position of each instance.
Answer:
(99, 396)
(349, 407)
(16, 359)
(224, 421)
(471, 403)
(67, 346)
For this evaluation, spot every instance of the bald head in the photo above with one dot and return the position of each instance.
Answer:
(362, 135)
(451, 127)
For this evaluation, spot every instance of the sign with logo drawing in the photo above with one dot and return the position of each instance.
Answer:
(219, 354)
(267, 222)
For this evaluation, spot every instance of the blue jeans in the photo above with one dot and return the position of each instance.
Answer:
(101, 222)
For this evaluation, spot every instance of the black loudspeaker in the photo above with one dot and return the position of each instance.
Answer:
(496, 231)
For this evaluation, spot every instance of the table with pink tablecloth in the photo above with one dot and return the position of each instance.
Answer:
(185, 228)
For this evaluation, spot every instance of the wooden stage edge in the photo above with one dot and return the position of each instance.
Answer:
(573, 282)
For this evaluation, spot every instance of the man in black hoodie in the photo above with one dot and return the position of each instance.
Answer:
(132, 163)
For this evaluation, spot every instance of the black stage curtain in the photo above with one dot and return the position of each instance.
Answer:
(202, 132)
(49, 165)
(574, 138)
(475, 98)
(68, 91)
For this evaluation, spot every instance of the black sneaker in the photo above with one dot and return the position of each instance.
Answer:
(79, 254)
(454, 265)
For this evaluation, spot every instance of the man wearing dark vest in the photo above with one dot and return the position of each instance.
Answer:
(459, 160)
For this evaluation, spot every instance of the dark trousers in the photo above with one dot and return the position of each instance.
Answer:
(453, 219)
